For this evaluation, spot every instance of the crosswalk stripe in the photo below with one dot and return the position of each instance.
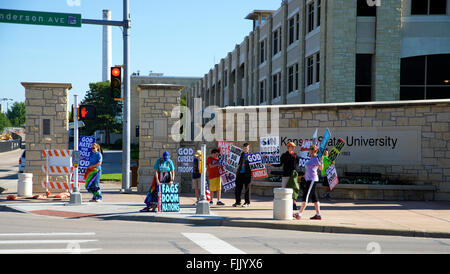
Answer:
(41, 251)
(212, 244)
(48, 234)
(44, 241)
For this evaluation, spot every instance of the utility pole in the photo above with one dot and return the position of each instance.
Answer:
(125, 24)
(126, 172)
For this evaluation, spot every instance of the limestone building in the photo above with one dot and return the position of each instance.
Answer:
(332, 51)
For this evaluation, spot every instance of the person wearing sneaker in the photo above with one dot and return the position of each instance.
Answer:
(243, 178)
(93, 174)
(311, 177)
(215, 185)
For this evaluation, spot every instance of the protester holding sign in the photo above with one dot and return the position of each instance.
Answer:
(244, 178)
(93, 174)
(289, 161)
(309, 188)
(164, 174)
(214, 176)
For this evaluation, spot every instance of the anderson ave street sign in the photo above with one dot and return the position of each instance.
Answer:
(40, 18)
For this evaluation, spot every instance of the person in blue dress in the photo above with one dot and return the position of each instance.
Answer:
(164, 174)
(93, 173)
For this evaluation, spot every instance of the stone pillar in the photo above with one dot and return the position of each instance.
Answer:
(387, 52)
(340, 51)
(47, 126)
(156, 102)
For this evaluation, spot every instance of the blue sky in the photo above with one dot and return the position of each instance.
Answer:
(174, 37)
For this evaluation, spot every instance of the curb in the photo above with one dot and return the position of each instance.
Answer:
(208, 220)
(225, 221)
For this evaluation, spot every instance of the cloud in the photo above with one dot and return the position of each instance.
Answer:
(74, 3)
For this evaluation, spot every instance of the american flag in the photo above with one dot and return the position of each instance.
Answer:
(207, 192)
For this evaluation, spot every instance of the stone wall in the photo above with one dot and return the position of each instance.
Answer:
(429, 120)
(45, 101)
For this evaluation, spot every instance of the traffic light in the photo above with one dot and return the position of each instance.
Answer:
(87, 112)
(73, 114)
(116, 83)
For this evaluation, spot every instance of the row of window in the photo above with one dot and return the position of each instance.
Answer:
(421, 77)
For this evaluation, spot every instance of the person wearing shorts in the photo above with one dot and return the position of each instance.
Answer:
(311, 178)
(215, 185)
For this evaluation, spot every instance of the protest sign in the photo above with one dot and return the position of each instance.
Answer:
(334, 153)
(185, 160)
(270, 149)
(170, 200)
(233, 159)
(224, 151)
(256, 166)
(304, 155)
(228, 179)
(332, 177)
(84, 146)
(324, 143)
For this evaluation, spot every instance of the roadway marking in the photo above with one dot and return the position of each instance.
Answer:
(49, 234)
(212, 244)
(42, 251)
(71, 245)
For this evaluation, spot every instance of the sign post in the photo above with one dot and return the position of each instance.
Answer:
(203, 204)
(75, 196)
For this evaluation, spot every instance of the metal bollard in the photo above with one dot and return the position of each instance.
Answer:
(282, 204)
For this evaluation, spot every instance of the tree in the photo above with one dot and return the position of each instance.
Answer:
(16, 114)
(108, 110)
(4, 122)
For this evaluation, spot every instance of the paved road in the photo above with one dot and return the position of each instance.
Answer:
(28, 233)
(9, 168)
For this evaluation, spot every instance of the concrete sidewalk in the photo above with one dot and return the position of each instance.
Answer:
(413, 219)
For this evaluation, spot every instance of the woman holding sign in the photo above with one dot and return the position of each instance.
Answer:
(309, 188)
(93, 173)
(164, 173)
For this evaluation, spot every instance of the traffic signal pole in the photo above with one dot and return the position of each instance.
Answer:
(126, 172)
(126, 184)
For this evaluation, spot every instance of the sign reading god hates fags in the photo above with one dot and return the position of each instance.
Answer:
(365, 145)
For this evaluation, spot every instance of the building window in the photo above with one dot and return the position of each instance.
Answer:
(310, 70)
(291, 79)
(276, 82)
(310, 17)
(46, 127)
(363, 77)
(262, 91)
(276, 41)
(318, 67)
(363, 9)
(291, 30)
(318, 12)
(262, 51)
(297, 26)
(428, 7)
(425, 77)
(225, 79)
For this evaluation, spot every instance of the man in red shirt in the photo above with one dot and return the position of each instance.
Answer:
(214, 176)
